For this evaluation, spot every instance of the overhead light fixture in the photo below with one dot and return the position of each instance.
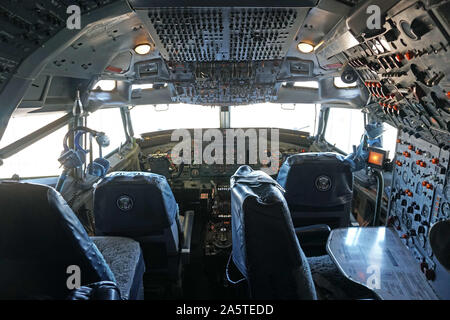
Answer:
(143, 49)
(105, 85)
(338, 83)
(307, 84)
(142, 86)
(304, 47)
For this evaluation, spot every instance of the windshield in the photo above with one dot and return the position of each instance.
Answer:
(41, 158)
(148, 118)
(300, 117)
(297, 117)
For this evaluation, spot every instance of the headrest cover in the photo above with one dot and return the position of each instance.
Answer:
(247, 175)
(40, 237)
(316, 180)
(133, 204)
(265, 247)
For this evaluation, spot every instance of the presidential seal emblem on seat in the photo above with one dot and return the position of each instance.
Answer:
(125, 203)
(323, 183)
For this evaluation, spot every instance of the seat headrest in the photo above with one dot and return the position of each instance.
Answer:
(246, 175)
(265, 247)
(316, 180)
(40, 237)
(133, 204)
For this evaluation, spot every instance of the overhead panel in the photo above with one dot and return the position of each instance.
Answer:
(222, 34)
(23, 31)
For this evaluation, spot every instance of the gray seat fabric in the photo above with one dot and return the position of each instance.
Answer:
(124, 257)
(331, 284)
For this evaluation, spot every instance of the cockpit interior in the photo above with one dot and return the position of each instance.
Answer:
(225, 150)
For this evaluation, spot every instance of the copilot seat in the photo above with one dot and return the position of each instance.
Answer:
(319, 189)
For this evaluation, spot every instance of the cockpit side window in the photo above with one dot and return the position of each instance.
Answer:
(110, 122)
(39, 159)
(389, 139)
(345, 128)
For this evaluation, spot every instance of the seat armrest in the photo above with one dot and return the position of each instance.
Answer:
(187, 226)
(103, 290)
(313, 239)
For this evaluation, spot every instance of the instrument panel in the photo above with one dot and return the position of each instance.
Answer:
(218, 238)
(405, 68)
(161, 163)
(420, 197)
(157, 147)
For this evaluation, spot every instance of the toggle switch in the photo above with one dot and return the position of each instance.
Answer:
(409, 55)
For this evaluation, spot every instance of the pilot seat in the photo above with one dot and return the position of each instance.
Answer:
(318, 189)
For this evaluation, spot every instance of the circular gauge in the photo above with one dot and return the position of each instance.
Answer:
(405, 177)
(445, 209)
(222, 236)
(425, 210)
